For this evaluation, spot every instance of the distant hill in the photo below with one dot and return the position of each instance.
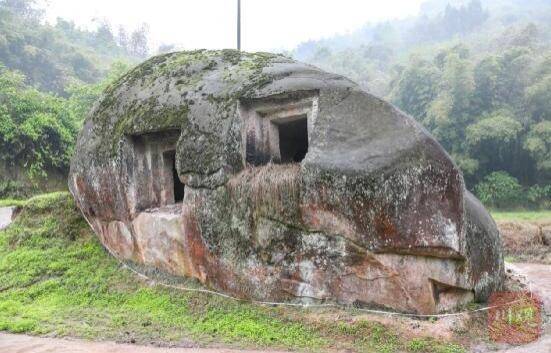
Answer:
(50, 75)
(477, 74)
(369, 54)
(53, 56)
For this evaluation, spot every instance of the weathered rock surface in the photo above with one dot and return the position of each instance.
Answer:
(289, 184)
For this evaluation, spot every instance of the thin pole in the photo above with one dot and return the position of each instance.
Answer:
(239, 25)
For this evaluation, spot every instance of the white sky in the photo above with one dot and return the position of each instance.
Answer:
(211, 24)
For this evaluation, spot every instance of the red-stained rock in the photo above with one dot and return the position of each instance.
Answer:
(297, 186)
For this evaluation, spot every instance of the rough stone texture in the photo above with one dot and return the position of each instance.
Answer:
(375, 214)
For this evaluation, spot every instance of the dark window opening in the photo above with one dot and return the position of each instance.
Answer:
(293, 140)
(178, 186)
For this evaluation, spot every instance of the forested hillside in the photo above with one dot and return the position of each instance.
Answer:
(49, 78)
(477, 74)
(52, 57)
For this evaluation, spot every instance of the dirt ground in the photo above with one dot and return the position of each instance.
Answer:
(26, 344)
(540, 277)
(542, 346)
(527, 241)
(537, 278)
(537, 275)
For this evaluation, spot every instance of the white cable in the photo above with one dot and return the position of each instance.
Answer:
(300, 305)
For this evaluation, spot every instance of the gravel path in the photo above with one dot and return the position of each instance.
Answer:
(26, 344)
(541, 346)
(540, 278)
(538, 275)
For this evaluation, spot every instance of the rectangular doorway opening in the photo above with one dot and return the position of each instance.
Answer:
(178, 187)
(293, 139)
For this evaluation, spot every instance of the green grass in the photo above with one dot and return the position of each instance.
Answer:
(374, 337)
(12, 202)
(522, 215)
(55, 278)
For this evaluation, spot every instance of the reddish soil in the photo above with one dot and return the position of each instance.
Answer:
(538, 280)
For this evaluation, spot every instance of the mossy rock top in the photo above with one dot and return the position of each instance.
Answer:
(160, 93)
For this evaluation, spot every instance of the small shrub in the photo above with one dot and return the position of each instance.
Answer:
(539, 196)
(418, 345)
(450, 348)
(13, 189)
(499, 190)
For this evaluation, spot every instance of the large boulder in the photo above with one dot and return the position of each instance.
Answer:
(269, 179)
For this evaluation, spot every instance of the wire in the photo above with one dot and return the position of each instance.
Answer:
(299, 305)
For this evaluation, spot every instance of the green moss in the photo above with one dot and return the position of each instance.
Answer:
(232, 56)
(138, 120)
(182, 74)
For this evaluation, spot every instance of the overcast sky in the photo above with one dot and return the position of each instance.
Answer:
(267, 24)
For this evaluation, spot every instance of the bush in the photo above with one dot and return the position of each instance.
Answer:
(500, 190)
(539, 196)
(37, 131)
(12, 189)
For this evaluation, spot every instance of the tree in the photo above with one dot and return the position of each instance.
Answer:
(415, 87)
(322, 53)
(450, 112)
(166, 48)
(82, 96)
(27, 9)
(37, 132)
(487, 74)
(538, 144)
(538, 99)
(514, 78)
(122, 39)
(494, 140)
(499, 190)
(139, 42)
(104, 35)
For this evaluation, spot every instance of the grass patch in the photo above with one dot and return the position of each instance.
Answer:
(12, 202)
(510, 259)
(522, 215)
(427, 345)
(374, 337)
(55, 278)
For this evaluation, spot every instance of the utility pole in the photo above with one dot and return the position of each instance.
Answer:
(239, 25)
